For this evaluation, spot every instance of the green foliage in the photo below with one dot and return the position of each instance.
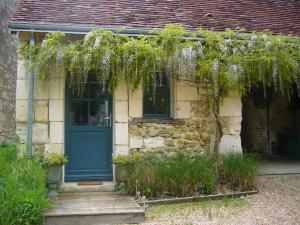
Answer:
(231, 60)
(181, 175)
(176, 175)
(239, 171)
(126, 159)
(54, 159)
(22, 189)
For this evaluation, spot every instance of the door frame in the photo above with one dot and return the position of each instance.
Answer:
(66, 98)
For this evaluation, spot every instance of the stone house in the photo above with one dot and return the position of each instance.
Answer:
(91, 129)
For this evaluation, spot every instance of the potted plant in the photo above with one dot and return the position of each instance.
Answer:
(53, 164)
(122, 164)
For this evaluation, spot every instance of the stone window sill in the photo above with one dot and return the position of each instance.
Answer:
(160, 121)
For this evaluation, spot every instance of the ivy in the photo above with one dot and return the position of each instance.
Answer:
(230, 61)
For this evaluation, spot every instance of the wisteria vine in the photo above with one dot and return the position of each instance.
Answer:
(229, 60)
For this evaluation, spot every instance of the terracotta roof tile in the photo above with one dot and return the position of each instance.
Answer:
(279, 16)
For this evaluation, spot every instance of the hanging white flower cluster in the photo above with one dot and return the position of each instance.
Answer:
(86, 61)
(187, 65)
(97, 42)
(235, 71)
(224, 49)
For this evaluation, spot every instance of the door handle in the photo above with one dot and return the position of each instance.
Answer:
(108, 118)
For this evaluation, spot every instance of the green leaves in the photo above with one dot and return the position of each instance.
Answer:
(230, 60)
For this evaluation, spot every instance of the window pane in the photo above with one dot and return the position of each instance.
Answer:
(99, 110)
(96, 90)
(149, 107)
(162, 105)
(78, 113)
(157, 100)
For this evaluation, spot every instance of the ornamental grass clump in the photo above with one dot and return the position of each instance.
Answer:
(22, 189)
(158, 175)
(176, 175)
(239, 171)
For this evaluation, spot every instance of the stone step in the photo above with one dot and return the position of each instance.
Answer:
(94, 208)
(71, 187)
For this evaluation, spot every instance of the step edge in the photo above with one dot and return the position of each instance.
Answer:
(94, 214)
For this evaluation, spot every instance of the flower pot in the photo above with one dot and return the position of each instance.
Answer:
(54, 175)
(53, 179)
(121, 175)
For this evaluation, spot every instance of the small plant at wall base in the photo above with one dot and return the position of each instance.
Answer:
(53, 164)
(22, 189)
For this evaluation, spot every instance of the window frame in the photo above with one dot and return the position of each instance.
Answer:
(166, 116)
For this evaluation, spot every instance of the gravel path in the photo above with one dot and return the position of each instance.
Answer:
(278, 203)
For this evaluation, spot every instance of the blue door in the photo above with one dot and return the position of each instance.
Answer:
(88, 133)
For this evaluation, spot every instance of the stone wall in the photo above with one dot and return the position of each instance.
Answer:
(192, 127)
(8, 62)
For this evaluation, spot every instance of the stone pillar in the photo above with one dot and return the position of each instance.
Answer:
(231, 118)
(21, 94)
(56, 115)
(136, 103)
(121, 119)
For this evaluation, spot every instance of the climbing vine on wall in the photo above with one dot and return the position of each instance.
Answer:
(229, 60)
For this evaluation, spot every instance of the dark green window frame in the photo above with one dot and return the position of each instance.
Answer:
(157, 99)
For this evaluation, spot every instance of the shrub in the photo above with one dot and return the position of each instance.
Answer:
(22, 189)
(239, 171)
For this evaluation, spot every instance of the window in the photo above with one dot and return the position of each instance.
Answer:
(156, 102)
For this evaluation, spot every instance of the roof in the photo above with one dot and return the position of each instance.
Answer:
(278, 16)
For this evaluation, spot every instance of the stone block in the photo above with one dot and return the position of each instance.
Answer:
(135, 142)
(40, 111)
(154, 142)
(21, 72)
(41, 89)
(135, 107)
(21, 110)
(56, 110)
(38, 150)
(22, 149)
(40, 134)
(230, 143)
(121, 150)
(54, 148)
(136, 94)
(231, 106)
(121, 92)
(121, 133)
(21, 131)
(121, 111)
(183, 110)
(56, 132)
(186, 92)
(57, 88)
(21, 90)
(231, 124)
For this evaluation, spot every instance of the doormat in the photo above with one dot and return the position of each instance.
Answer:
(81, 183)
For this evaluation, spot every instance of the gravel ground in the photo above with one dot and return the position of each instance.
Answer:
(278, 203)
